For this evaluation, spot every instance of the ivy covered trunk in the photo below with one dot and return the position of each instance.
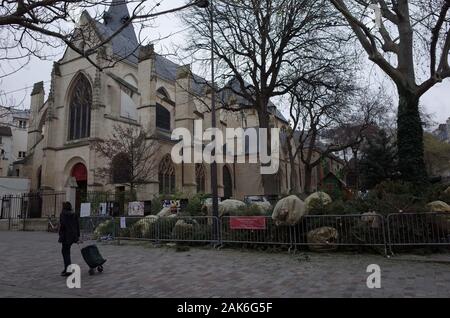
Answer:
(410, 139)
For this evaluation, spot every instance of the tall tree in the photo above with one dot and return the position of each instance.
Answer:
(378, 162)
(409, 33)
(258, 43)
(333, 104)
(130, 156)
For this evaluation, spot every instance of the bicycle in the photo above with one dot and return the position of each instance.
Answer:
(52, 224)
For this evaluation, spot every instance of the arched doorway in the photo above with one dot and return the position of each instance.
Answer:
(227, 183)
(79, 172)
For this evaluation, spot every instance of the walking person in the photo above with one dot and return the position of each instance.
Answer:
(69, 233)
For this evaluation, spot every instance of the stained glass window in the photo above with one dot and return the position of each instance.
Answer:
(166, 176)
(80, 109)
(200, 178)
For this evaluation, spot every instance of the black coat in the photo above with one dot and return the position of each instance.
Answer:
(69, 227)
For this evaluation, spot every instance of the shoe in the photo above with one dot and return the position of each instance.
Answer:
(65, 273)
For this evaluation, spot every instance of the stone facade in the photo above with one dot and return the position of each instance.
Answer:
(129, 94)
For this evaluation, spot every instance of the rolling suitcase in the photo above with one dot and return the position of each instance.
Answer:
(93, 258)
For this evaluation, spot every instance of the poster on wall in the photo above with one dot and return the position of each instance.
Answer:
(136, 208)
(85, 210)
(174, 205)
(123, 223)
(102, 209)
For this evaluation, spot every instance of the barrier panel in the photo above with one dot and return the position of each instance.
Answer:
(418, 229)
(161, 229)
(96, 227)
(341, 230)
(254, 230)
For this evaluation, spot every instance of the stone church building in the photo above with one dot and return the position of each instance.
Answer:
(143, 89)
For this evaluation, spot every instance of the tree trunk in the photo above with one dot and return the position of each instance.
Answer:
(268, 180)
(356, 167)
(308, 178)
(410, 139)
(294, 182)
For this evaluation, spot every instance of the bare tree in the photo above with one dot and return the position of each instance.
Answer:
(130, 156)
(257, 43)
(337, 105)
(31, 28)
(409, 34)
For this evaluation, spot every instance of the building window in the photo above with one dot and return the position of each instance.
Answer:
(22, 124)
(166, 176)
(22, 154)
(162, 117)
(80, 109)
(162, 91)
(121, 172)
(200, 178)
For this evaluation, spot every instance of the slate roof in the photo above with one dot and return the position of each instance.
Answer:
(167, 70)
(126, 45)
(233, 86)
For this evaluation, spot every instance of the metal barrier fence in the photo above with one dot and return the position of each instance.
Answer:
(320, 231)
(418, 229)
(18, 207)
(316, 231)
(164, 229)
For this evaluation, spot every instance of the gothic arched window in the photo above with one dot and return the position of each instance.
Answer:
(80, 109)
(162, 117)
(200, 178)
(166, 176)
(163, 92)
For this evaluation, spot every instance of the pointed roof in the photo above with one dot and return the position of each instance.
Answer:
(116, 16)
(125, 44)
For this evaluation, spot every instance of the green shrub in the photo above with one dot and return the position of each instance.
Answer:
(194, 206)
(248, 210)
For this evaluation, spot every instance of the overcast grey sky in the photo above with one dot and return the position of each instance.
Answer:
(436, 101)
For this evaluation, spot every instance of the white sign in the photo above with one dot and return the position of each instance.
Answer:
(85, 210)
(102, 209)
(136, 208)
(123, 223)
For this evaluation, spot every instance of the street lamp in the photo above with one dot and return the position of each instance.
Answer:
(205, 4)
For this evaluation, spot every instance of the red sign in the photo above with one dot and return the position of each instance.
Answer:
(248, 223)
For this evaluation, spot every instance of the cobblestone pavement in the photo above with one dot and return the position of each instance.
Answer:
(30, 263)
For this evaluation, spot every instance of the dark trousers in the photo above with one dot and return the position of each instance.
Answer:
(66, 254)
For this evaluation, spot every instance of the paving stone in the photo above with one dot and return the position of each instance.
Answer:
(30, 264)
